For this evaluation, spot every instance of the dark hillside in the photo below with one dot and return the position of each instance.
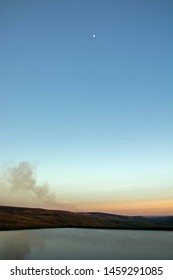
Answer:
(13, 218)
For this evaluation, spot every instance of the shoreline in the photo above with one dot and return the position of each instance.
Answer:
(95, 228)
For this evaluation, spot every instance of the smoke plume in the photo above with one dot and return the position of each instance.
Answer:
(19, 187)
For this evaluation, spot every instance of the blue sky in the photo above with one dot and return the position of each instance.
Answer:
(94, 114)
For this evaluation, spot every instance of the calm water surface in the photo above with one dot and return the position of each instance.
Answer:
(86, 244)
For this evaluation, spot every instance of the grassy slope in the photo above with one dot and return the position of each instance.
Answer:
(32, 218)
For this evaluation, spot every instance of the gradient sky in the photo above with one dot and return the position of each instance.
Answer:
(95, 114)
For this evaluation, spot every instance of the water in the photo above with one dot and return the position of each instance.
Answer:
(86, 244)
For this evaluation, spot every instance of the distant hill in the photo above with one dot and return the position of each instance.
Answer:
(13, 218)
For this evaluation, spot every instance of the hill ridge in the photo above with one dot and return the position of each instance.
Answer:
(14, 218)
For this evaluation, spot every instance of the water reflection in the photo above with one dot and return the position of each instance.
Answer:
(18, 245)
(86, 244)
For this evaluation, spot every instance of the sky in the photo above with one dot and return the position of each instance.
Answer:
(86, 103)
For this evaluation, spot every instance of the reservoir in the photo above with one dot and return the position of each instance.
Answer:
(86, 244)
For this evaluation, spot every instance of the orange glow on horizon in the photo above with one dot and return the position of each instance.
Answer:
(161, 207)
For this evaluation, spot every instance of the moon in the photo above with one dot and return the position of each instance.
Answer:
(94, 35)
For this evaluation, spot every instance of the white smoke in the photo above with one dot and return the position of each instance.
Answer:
(19, 187)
